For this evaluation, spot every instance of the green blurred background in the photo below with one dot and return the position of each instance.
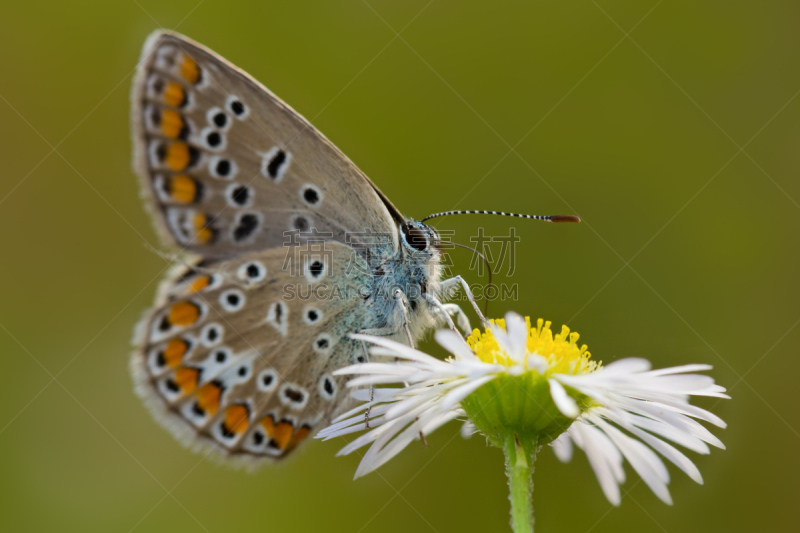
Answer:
(677, 146)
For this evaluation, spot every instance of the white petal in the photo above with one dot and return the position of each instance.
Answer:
(468, 429)
(440, 419)
(663, 429)
(397, 349)
(672, 418)
(385, 448)
(562, 447)
(688, 409)
(623, 366)
(455, 344)
(591, 440)
(372, 379)
(382, 433)
(378, 395)
(538, 363)
(517, 336)
(642, 459)
(456, 395)
(671, 454)
(565, 403)
(377, 368)
(680, 369)
(505, 344)
(401, 407)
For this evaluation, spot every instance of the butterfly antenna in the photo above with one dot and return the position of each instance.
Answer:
(485, 261)
(546, 218)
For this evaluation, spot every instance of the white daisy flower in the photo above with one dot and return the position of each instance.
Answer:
(524, 387)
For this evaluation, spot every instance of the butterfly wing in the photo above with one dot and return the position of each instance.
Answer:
(240, 357)
(230, 168)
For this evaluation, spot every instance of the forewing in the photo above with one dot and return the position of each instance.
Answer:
(239, 355)
(230, 168)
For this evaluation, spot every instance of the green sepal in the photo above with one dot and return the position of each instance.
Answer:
(519, 405)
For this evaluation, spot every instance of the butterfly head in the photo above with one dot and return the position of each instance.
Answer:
(419, 239)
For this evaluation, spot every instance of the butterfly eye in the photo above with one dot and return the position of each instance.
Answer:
(415, 237)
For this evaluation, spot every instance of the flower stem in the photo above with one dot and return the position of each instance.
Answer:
(519, 467)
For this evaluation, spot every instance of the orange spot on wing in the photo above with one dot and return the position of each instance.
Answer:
(269, 424)
(186, 378)
(236, 418)
(174, 95)
(208, 397)
(183, 314)
(203, 234)
(282, 434)
(200, 283)
(171, 123)
(183, 189)
(189, 69)
(299, 435)
(178, 156)
(174, 352)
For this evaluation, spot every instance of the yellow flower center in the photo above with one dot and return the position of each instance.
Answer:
(561, 350)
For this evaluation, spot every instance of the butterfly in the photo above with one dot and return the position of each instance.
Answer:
(292, 250)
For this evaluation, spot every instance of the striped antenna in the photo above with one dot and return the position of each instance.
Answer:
(546, 218)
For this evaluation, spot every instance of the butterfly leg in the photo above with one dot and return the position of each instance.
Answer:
(456, 280)
(461, 318)
(442, 310)
(401, 299)
(371, 389)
